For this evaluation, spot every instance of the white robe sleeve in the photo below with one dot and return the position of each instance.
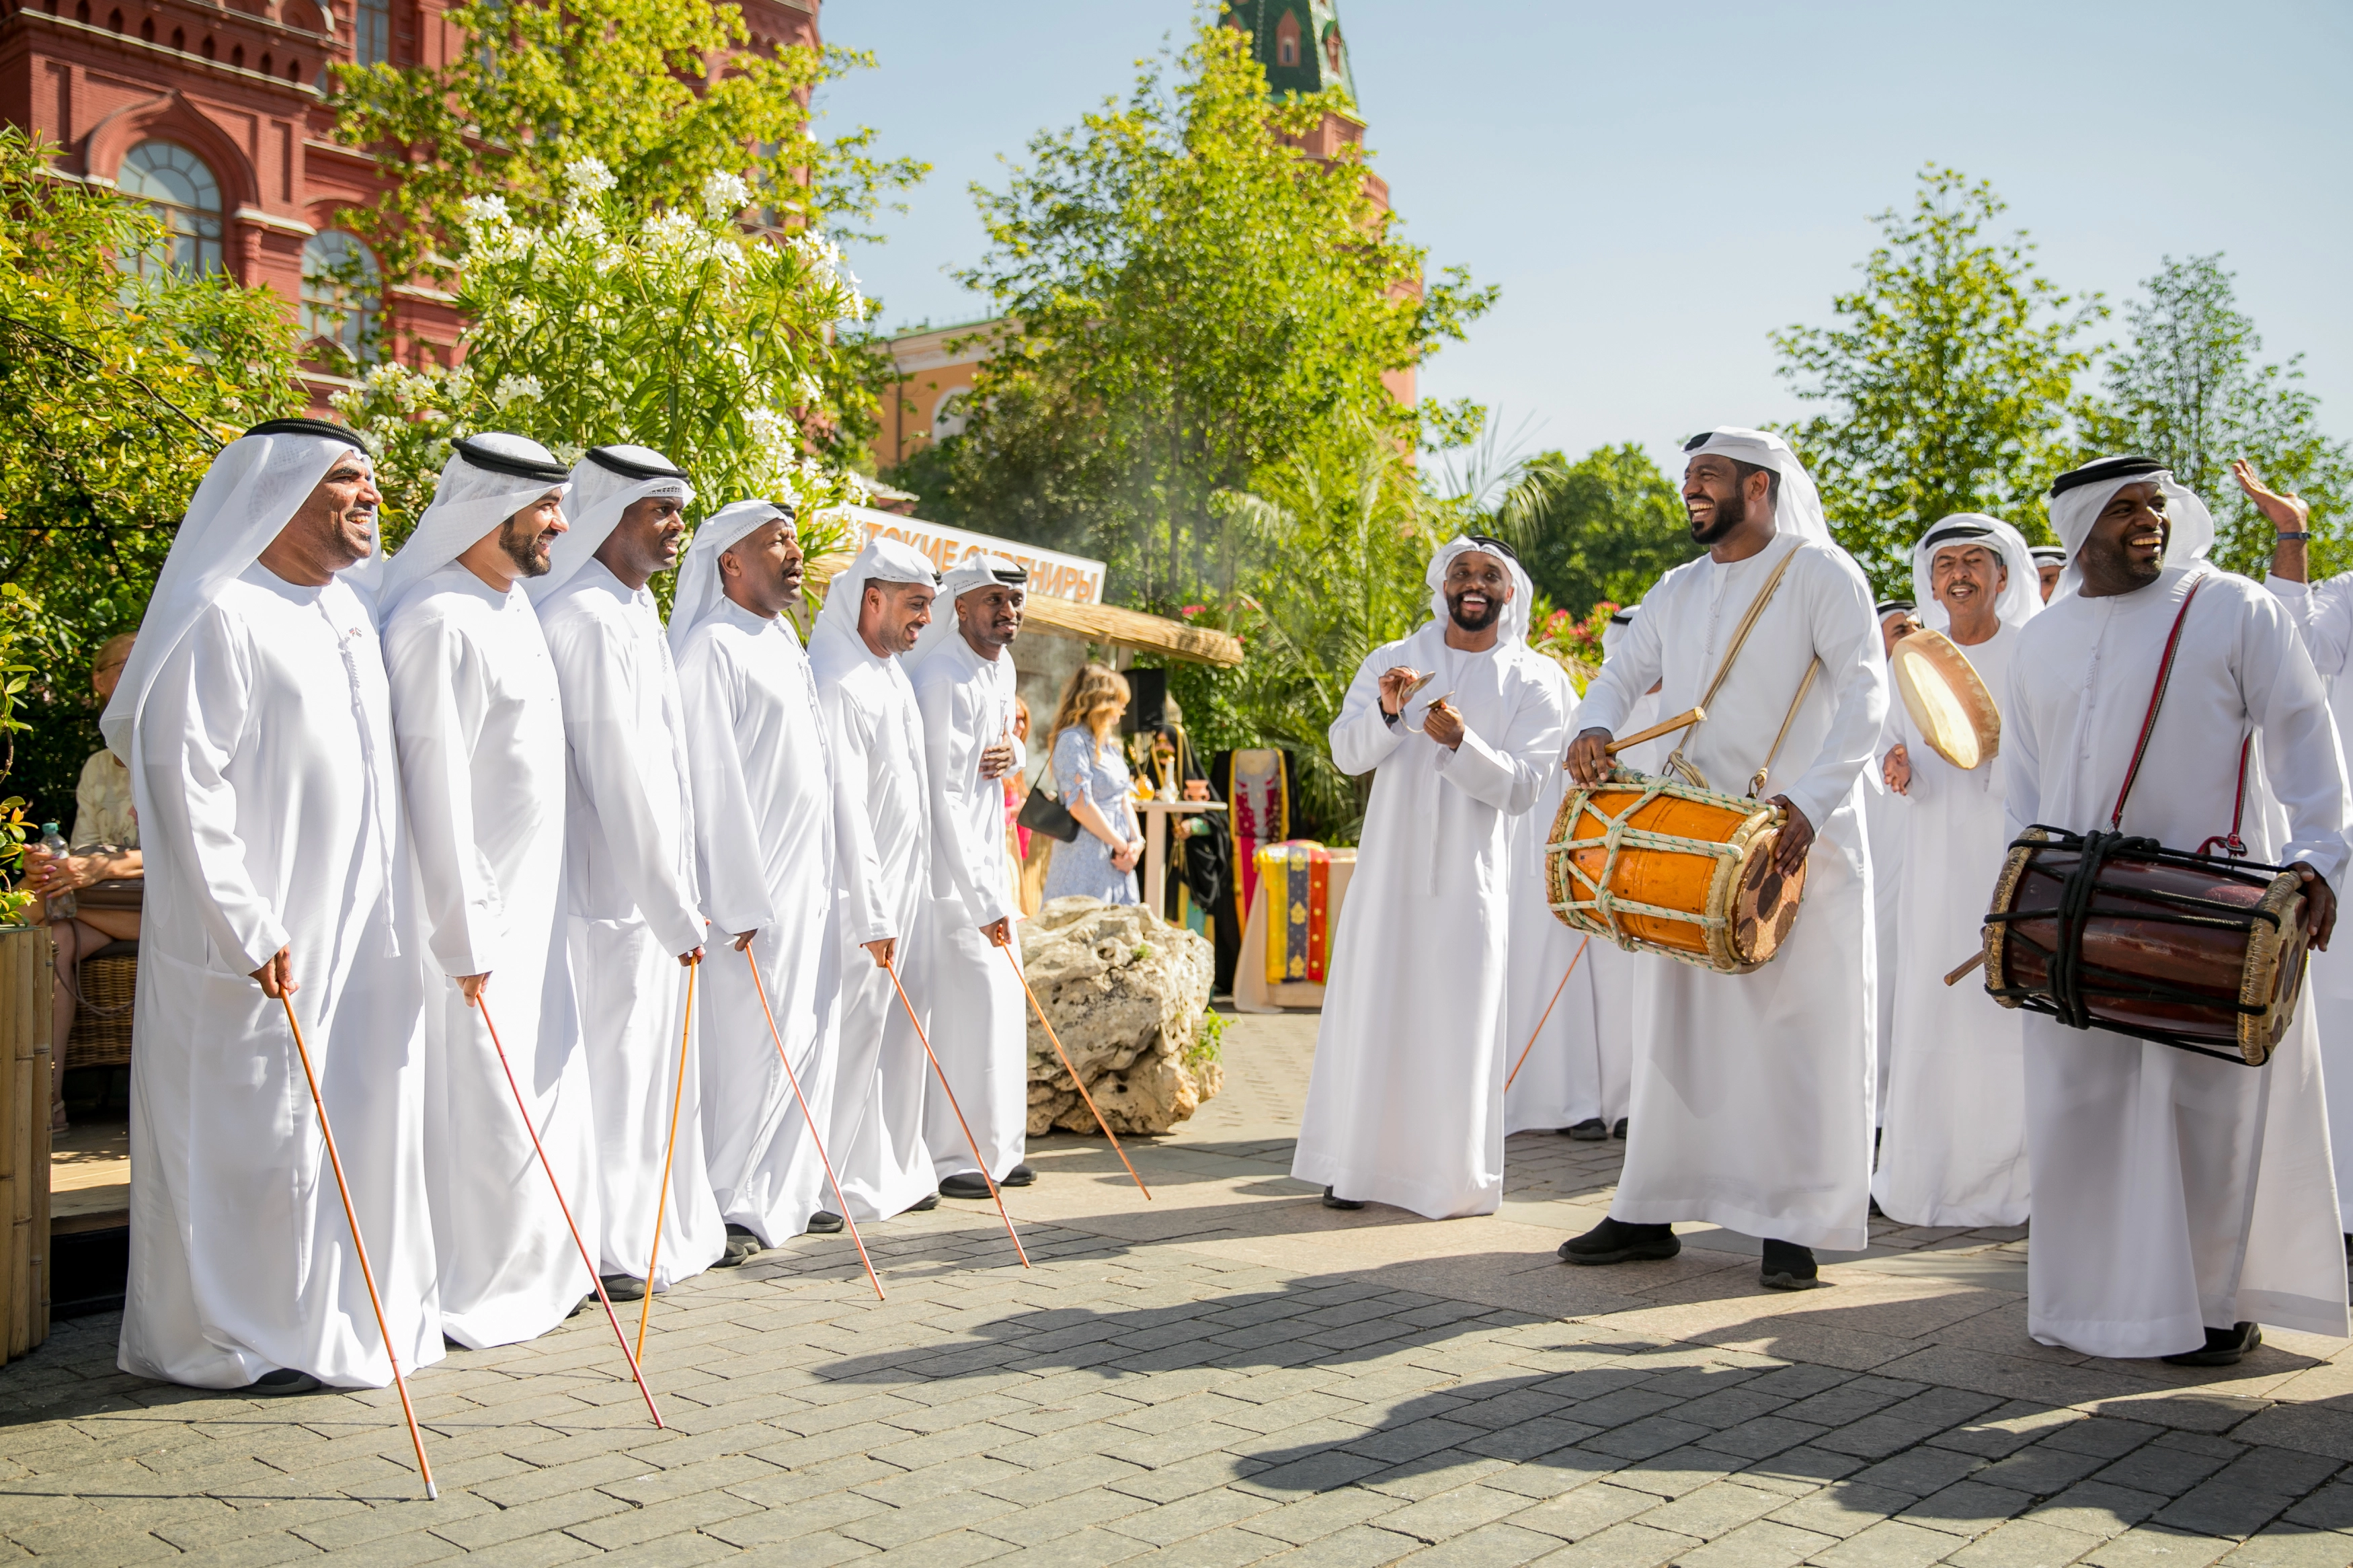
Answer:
(1625, 676)
(1846, 640)
(1510, 774)
(2021, 752)
(603, 739)
(865, 911)
(2322, 613)
(194, 715)
(2302, 757)
(735, 889)
(436, 720)
(1361, 737)
(951, 745)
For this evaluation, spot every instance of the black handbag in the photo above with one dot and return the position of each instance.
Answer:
(1042, 813)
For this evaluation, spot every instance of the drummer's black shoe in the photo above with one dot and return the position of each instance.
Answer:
(1592, 1129)
(1019, 1176)
(967, 1185)
(741, 1245)
(277, 1384)
(1615, 1241)
(2223, 1347)
(624, 1288)
(924, 1205)
(825, 1222)
(1619, 1131)
(1789, 1267)
(1331, 1202)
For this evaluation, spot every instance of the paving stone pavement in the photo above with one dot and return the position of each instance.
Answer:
(1231, 1375)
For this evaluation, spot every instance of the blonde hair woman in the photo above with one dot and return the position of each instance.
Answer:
(1091, 777)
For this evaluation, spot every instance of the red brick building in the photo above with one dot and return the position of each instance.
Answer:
(216, 114)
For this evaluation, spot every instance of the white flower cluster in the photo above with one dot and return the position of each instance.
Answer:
(490, 233)
(724, 194)
(823, 258)
(514, 388)
(587, 177)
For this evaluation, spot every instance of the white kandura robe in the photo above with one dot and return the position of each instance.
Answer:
(1549, 998)
(2325, 612)
(630, 888)
(876, 736)
(480, 726)
(765, 811)
(981, 1025)
(269, 813)
(1405, 1103)
(2174, 1192)
(1885, 817)
(1752, 1096)
(1954, 1148)
(1616, 971)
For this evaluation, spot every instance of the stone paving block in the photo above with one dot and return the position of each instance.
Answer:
(254, 1552)
(222, 1528)
(1038, 1524)
(555, 1481)
(2104, 1435)
(2147, 1546)
(1622, 1546)
(1455, 1512)
(1762, 1437)
(2040, 1469)
(895, 1528)
(2330, 1508)
(909, 1488)
(1889, 1543)
(2287, 1547)
(1323, 1472)
(780, 1487)
(686, 1549)
(1298, 1523)
(953, 1550)
(1489, 1546)
(2277, 1470)
(1081, 1549)
(1967, 1509)
(1412, 1439)
(820, 1551)
(1802, 1469)
(2165, 1470)
(1588, 1511)
(548, 1514)
(1640, 1440)
(668, 1517)
(1432, 1473)
(2006, 1428)
(1163, 1524)
(1715, 1509)
(2217, 1509)
(769, 1525)
(1844, 1511)
(1620, 1406)
(1228, 1548)
(409, 1549)
(1919, 1471)
(2095, 1508)
(1170, 1482)
(1876, 1436)
(728, 1470)
(1358, 1546)
(1763, 1543)
(1675, 1473)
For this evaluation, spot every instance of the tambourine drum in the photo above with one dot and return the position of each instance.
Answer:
(1659, 866)
(1942, 692)
(2105, 932)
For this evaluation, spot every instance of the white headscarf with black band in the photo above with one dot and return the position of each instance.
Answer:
(883, 561)
(2021, 599)
(605, 484)
(700, 594)
(252, 490)
(975, 571)
(1797, 506)
(2080, 494)
(489, 478)
(1512, 621)
(1615, 632)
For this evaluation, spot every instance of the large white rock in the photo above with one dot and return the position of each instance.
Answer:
(1126, 991)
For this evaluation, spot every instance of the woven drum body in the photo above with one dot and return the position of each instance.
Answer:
(1658, 866)
(2193, 951)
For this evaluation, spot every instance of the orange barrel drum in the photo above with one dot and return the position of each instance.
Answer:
(1659, 866)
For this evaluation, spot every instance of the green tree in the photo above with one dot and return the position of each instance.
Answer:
(1948, 378)
(2187, 389)
(116, 389)
(1193, 297)
(665, 93)
(1603, 528)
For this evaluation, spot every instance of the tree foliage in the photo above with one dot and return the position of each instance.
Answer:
(665, 93)
(1192, 299)
(2187, 389)
(1603, 528)
(1949, 377)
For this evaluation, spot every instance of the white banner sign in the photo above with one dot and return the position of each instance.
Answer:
(1051, 572)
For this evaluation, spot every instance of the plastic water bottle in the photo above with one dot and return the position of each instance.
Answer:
(65, 906)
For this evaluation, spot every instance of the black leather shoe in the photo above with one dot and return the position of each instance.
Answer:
(280, 1383)
(1332, 1203)
(1789, 1267)
(1592, 1129)
(624, 1288)
(1019, 1176)
(2223, 1347)
(1615, 1241)
(1619, 1131)
(967, 1185)
(825, 1222)
(742, 1244)
(924, 1205)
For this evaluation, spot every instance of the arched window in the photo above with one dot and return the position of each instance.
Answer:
(342, 290)
(1286, 40)
(372, 38)
(180, 189)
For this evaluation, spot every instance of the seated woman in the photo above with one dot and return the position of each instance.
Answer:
(1091, 777)
(105, 847)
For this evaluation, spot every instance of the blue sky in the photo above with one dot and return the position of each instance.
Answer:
(1656, 188)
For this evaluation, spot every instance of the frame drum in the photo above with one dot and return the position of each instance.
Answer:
(1955, 713)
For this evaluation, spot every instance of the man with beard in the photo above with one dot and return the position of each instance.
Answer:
(254, 720)
(964, 685)
(1954, 1152)
(1405, 1103)
(2178, 1200)
(765, 812)
(636, 913)
(481, 727)
(873, 613)
(1752, 1094)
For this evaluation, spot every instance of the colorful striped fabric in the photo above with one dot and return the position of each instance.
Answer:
(1297, 877)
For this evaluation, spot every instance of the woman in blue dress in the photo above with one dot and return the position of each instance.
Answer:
(1091, 777)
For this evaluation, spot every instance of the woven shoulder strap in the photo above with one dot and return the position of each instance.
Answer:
(1676, 760)
(2156, 701)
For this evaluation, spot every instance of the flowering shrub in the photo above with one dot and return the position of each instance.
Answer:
(679, 331)
(1576, 644)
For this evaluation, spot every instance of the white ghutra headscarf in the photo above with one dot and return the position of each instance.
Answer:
(1798, 507)
(975, 571)
(883, 561)
(605, 484)
(700, 594)
(2080, 494)
(1512, 621)
(487, 478)
(2021, 595)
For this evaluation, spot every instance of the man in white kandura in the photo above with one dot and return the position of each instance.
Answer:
(1884, 816)
(1752, 1101)
(1954, 1148)
(1549, 1000)
(1405, 1103)
(2049, 562)
(481, 730)
(2178, 1200)
(1615, 970)
(765, 811)
(963, 683)
(636, 912)
(873, 613)
(254, 719)
(2323, 612)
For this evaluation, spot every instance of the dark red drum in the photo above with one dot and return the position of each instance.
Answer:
(2101, 930)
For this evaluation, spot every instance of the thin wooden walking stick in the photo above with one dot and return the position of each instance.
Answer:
(661, 1205)
(1548, 1013)
(994, 1191)
(1055, 1040)
(367, 1275)
(806, 1115)
(595, 1281)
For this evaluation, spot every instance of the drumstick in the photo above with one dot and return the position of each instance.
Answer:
(1683, 721)
(1957, 975)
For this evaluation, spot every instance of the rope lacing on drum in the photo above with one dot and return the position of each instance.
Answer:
(2076, 890)
(1617, 834)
